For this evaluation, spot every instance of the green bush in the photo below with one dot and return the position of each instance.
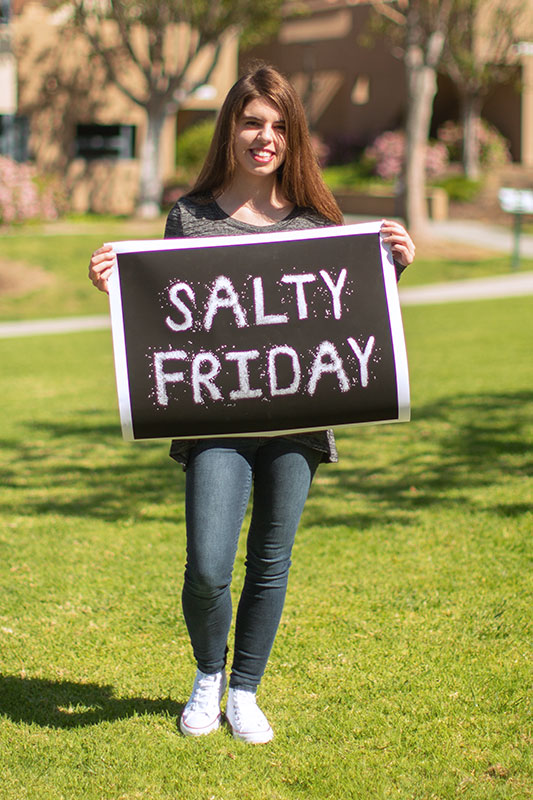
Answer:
(192, 145)
(191, 149)
(460, 188)
(355, 175)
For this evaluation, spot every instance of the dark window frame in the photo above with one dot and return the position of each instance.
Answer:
(14, 137)
(94, 141)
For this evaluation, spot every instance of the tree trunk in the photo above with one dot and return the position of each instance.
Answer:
(422, 56)
(422, 84)
(471, 117)
(150, 183)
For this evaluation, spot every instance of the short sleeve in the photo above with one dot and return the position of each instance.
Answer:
(174, 227)
(399, 269)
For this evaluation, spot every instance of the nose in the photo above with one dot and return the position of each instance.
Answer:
(266, 133)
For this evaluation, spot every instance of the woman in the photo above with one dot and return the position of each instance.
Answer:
(260, 175)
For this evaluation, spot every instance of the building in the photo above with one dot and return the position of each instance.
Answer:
(57, 108)
(353, 82)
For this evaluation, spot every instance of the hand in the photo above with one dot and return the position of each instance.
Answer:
(101, 265)
(401, 244)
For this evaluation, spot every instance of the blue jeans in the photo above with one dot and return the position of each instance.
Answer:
(219, 480)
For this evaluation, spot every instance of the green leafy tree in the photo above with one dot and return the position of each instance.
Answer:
(476, 57)
(470, 39)
(418, 29)
(148, 49)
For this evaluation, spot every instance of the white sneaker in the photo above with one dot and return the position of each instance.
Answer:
(246, 719)
(202, 714)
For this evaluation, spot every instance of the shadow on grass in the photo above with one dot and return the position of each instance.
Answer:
(457, 444)
(63, 704)
(82, 468)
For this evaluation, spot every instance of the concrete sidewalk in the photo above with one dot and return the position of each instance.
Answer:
(491, 237)
(512, 285)
(38, 327)
(471, 232)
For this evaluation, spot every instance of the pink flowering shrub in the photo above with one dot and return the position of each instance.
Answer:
(25, 196)
(387, 153)
(493, 146)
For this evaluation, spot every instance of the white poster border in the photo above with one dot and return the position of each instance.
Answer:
(154, 245)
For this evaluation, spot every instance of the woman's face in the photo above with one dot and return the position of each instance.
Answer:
(259, 144)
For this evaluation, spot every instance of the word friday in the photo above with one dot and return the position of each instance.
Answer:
(204, 368)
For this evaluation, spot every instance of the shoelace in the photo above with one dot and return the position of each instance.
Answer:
(204, 694)
(243, 702)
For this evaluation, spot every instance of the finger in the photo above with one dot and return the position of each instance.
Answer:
(396, 235)
(103, 274)
(401, 254)
(391, 224)
(394, 230)
(105, 248)
(389, 227)
(101, 284)
(405, 255)
(101, 258)
(102, 266)
(102, 253)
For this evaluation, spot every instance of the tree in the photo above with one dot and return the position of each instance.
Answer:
(419, 28)
(476, 57)
(148, 49)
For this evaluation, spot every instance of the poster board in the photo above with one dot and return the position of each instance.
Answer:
(258, 334)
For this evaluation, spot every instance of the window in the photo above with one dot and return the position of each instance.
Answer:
(105, 141)
(5, 11)
(14, 132)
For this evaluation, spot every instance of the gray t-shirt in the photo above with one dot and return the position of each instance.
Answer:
(200, 219)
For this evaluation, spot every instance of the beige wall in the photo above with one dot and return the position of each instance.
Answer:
(359, 88)
(351, 91)
(61, 87)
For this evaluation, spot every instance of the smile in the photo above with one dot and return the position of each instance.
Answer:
(262, 155)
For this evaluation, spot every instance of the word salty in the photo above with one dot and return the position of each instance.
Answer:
(224, 295)
(205, 367)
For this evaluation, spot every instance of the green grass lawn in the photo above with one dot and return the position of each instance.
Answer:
(436, 269)
(62, 260)
(402, 668)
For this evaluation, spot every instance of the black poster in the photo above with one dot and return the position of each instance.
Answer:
(264, 334)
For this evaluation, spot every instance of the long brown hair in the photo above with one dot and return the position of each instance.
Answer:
(299, 176)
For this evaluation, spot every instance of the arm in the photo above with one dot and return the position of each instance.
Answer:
(104, 259)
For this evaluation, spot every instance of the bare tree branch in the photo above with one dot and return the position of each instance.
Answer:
(131, 37)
